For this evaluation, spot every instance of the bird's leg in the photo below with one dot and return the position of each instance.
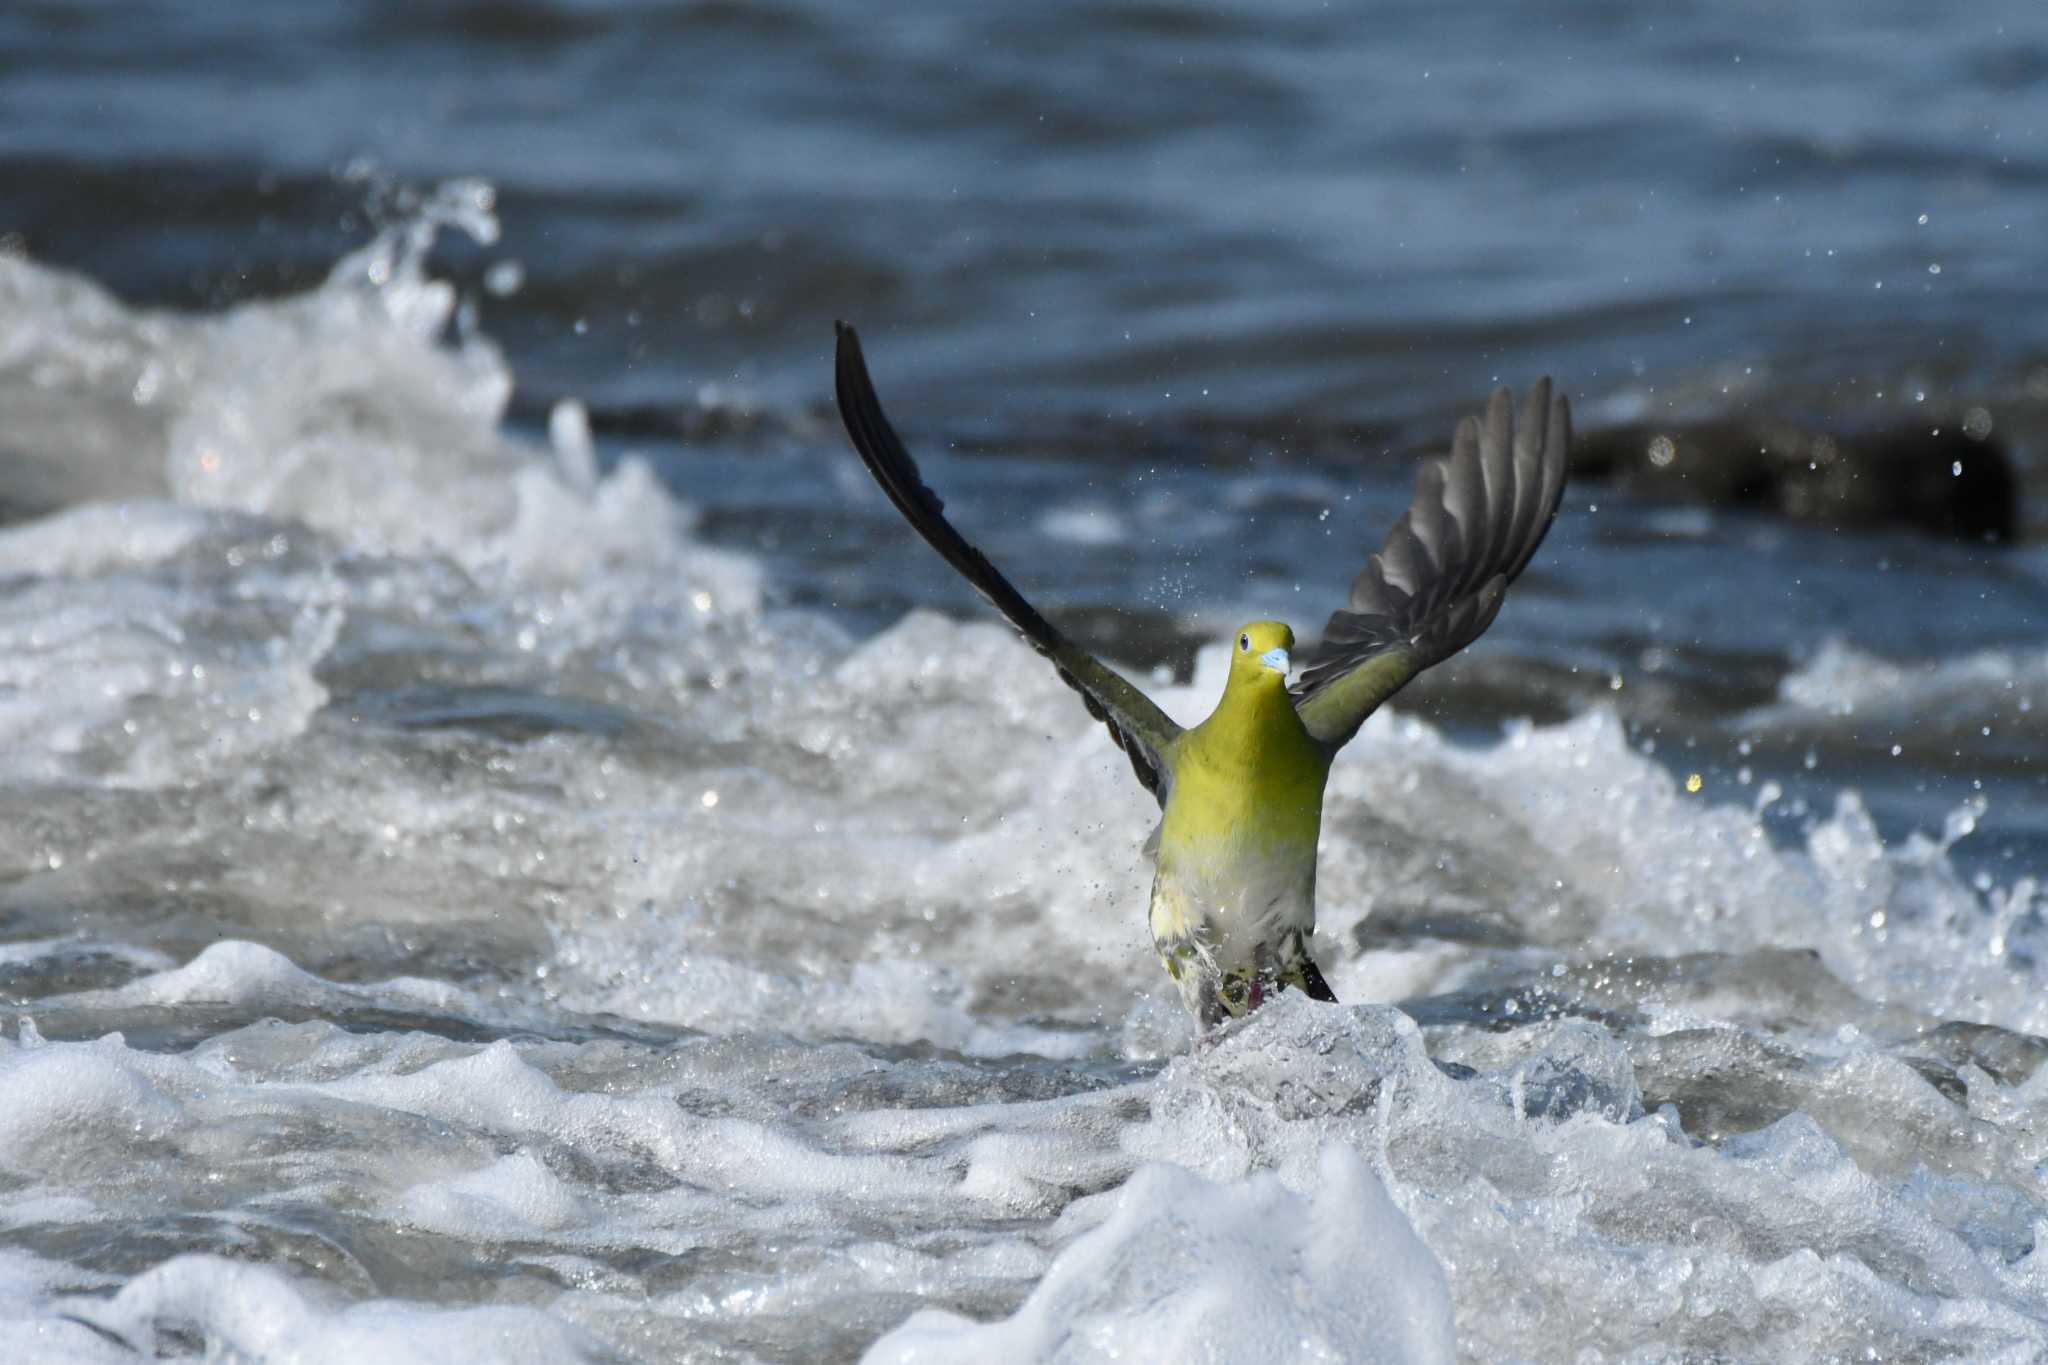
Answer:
(1264, 979)
(1210, 1011)
(1241, 990)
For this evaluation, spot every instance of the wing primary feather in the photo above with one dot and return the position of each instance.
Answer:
(1529, 445)
(1497, 467)
(1140, 729)
(1465, 500)
(1437, 583)
(1493, 467)
(1555, 458)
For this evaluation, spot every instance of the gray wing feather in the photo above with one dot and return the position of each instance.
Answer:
(1476, 520)
(1140, 729)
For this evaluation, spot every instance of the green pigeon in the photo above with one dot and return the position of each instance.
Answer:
(1241, 795)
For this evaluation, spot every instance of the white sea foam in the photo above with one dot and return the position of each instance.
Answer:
(249, 974)
(130, 678)
(1845, 686)
(445, 881)
(1243, 1211)
(1084, 524)
(251, 1312)
(1186, 1270)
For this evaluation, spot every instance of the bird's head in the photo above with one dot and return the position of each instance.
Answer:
(1258, 657)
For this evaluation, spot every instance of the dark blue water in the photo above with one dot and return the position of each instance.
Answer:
(1063, 211)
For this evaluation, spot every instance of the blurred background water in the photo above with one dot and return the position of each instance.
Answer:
(433, 566)
(1079, 211)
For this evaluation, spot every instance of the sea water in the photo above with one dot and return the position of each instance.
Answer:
(510, 851)
(455, 912)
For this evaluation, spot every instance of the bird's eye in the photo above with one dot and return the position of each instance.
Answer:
(1244, 642)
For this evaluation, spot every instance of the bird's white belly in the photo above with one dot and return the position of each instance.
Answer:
(1227, 914)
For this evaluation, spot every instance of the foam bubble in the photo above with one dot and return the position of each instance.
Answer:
(241, 973)
(514, 1197)
(242, 1311)
(64, 1103)
(1185, 1269)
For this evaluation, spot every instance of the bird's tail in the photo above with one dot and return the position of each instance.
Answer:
(1309, 978)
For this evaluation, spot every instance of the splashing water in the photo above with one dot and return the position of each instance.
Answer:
(457, 912)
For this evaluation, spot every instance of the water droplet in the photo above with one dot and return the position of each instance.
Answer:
(504, 278)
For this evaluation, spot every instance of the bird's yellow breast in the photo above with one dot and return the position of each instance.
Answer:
(1247, 784)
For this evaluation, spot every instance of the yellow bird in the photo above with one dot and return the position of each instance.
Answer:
(1241, 795)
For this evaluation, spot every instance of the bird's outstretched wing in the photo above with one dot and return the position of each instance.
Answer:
(1478, 515)
(1141, 729)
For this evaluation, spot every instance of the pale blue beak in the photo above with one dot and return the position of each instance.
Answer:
(1275, 659)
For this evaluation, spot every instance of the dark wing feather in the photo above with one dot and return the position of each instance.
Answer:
(1434, 587)
(1141, 729)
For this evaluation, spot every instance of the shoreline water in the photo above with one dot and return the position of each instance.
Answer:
(509, 850)
(710, 977)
